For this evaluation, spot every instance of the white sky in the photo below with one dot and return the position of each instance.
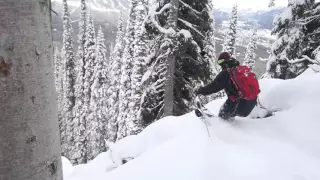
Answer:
(248, 4)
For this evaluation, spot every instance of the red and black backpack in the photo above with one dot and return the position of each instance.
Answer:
(245, 82)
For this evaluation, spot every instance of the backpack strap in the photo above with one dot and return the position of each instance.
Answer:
(234, 80)
(237, 82)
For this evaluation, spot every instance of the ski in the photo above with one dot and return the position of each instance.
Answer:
(202, 111)
(204, 114)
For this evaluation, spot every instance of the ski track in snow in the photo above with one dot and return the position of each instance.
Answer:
(285, 146)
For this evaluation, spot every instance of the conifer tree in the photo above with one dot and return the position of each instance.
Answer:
(249, 59)
(291, 52)
(90, 63)
(177, 31)
(98, 100)
(78, 152)
(312, 24)
(230, 40)
(125, 90)
(210, 42)
(140, 53)
(158, 99)
(210, 53)
(114, 74)
(69, 77)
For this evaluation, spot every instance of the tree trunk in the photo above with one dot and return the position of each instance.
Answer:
(29, 135)
(169, 85)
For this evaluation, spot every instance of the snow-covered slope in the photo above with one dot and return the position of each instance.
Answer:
(285, 146)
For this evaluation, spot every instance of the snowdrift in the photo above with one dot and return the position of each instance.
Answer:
(285, 146)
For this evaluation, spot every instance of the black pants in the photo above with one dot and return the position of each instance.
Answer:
(228, 110)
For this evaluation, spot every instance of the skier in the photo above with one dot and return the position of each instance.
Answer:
(240, 85)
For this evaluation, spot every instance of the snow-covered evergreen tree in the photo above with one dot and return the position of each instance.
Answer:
(90, 62)
(67, 54)
(97, 117)
(158, 98)
(141, 49)
(176, 60)
(210, 53)
(210, 43)
(291, 51)
(249, 59)
(114, 74)
(312, 29)
(312, 26)
(230, 40)
(78, 152)
(125, 90)
(154, 78)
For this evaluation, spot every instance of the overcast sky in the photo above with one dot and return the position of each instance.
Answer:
(246, 4)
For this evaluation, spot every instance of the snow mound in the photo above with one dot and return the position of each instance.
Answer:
(285, 146)
(313, 69)
(66, 166)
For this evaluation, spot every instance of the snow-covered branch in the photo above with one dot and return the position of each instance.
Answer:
(153, 14)
(308, 19)
(311, 60)
(189, 7)
(165, 7)
(161, 56)
(191, 26)
(157, 106)
(304, 57)
(313, 11)
(186, 34)
(149, 57)
(160, 110)
(196, 13)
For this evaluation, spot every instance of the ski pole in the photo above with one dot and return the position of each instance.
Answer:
(198, 104)
(207, 129)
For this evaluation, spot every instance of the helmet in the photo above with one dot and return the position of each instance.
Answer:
(225, 60)
(223, 57)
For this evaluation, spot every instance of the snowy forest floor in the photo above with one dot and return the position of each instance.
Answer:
(285, 146)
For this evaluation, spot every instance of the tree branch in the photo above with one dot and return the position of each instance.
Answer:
(308, 20)
(193, 11)
(304, 57)
(165, 7)
(156, 23)
(191, 27)
(189, 7)
(311, 60)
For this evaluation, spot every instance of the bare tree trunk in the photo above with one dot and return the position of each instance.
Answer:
(29, 135)
(169, 85)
